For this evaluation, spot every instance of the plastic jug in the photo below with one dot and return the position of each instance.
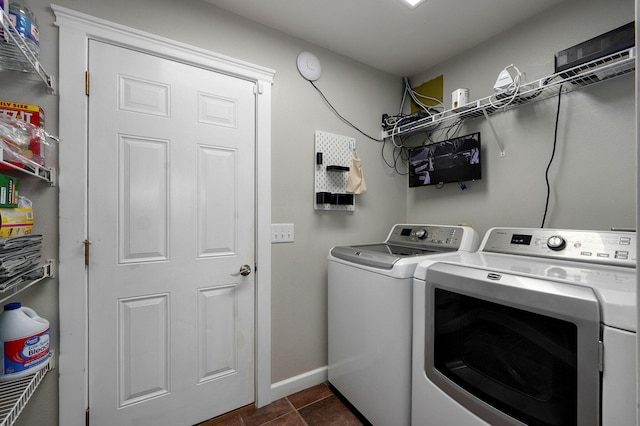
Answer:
(24, 338)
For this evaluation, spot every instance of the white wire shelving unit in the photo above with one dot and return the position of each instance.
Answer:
(15, 395)
(11, 34)
(593, 72)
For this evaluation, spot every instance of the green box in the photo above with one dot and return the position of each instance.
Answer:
(8, 191)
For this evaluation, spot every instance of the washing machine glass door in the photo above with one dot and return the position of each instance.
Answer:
(513, 349)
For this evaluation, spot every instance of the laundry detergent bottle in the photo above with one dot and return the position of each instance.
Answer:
(24, 337)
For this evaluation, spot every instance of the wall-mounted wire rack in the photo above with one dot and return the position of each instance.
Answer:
(25, 165)
(601, 69)
(12, 37)
(15, 394)
(45, 271)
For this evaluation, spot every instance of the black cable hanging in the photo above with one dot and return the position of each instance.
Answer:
(340, 116)
(399, 156)
(553, 153)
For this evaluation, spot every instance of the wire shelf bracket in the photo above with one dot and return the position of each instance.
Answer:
(495, 134)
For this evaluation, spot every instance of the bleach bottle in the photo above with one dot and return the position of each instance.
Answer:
(24, 337)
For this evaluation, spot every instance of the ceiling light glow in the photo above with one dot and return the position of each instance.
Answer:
(412, 3)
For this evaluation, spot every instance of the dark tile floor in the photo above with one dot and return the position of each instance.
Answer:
(317, 405)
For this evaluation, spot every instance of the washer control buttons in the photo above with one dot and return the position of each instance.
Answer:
(625, 241)
(622, 254)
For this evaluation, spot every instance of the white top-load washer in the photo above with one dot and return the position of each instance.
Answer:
(369, 316)
(537, 327)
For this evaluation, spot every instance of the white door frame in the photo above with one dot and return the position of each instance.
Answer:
(75, 30)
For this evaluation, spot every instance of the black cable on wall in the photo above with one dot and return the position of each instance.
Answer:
(553, 153)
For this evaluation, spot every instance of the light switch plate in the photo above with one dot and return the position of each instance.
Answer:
(282, 232)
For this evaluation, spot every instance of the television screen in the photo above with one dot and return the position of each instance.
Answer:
(453, 160)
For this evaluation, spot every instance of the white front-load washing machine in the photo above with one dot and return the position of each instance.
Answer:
(369, 316)
(538, 327)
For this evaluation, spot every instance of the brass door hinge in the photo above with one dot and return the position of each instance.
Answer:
(87, 243)
(86, 83)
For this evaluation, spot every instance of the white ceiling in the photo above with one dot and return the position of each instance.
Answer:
(386, 34)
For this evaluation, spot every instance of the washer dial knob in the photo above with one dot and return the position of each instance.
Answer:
(556, 243)
(421, 234)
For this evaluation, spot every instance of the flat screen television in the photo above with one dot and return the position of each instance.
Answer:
(453, 160)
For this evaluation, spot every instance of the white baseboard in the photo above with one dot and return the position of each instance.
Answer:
(297, 383)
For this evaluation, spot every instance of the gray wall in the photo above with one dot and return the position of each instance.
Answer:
(594, 172)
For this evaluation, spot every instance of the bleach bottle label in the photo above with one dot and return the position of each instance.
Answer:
(23, 354)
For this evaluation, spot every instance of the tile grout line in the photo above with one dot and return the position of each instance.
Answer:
(296, 410)
(293, 410)
(302, 418)
(311, 403)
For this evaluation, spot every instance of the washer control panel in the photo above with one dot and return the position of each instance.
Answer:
(442, 236)
(606, 247)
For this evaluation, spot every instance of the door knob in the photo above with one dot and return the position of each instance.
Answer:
(245, 270)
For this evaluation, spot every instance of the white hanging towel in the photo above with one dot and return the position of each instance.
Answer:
(355, 181)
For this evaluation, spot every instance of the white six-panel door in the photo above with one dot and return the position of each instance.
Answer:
(171, 222)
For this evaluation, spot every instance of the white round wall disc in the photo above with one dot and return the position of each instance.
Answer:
(309, 66)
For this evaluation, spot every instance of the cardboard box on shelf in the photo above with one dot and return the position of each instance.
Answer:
(8, 191)
(31, 114)
(14, 222)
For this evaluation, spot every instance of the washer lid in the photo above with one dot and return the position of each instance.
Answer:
(379, 255)
(408, 242)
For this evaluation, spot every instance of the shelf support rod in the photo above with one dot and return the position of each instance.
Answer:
(495, 134)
